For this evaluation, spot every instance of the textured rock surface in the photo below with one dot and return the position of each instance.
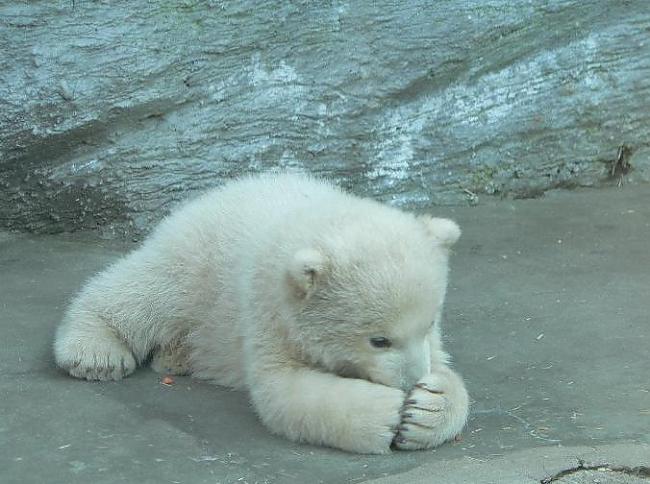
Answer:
(109, 113)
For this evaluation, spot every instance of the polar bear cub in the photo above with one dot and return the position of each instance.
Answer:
(325, 307)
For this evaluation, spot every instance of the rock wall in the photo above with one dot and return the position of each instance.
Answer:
(110, 112)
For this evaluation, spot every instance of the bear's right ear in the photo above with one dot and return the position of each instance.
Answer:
(443, 231)
(307, 266)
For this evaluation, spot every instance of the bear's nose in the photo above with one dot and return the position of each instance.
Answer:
(416, 366)
(411, 376)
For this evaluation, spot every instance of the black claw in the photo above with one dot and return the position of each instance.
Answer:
(410, 401)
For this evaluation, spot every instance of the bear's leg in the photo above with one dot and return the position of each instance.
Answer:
(86, 347)
(434, 412)
(307, 405)
(120, 317)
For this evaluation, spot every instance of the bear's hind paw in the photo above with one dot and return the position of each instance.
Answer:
(100, 358)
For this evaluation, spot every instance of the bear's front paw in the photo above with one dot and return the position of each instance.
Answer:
(434, 412)
(364, 420)
(377, 419)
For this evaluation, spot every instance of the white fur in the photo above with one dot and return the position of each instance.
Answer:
(276, 284)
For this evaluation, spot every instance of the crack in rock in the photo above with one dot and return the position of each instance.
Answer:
(639, 471)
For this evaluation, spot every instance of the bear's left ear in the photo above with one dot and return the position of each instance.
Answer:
(306, 268)
(444, 231)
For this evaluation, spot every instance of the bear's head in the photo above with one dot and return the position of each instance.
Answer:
(367, 297)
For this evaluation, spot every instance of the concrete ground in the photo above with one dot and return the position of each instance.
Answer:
(547, 317)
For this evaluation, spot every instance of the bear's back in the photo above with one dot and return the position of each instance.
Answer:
(249, 214)
(256, 203)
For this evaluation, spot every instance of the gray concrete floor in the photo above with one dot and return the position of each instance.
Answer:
(547, 318)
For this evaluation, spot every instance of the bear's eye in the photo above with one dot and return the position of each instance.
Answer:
(380, 342)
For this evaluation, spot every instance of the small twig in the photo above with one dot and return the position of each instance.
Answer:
(470, 193)
(620, 164)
